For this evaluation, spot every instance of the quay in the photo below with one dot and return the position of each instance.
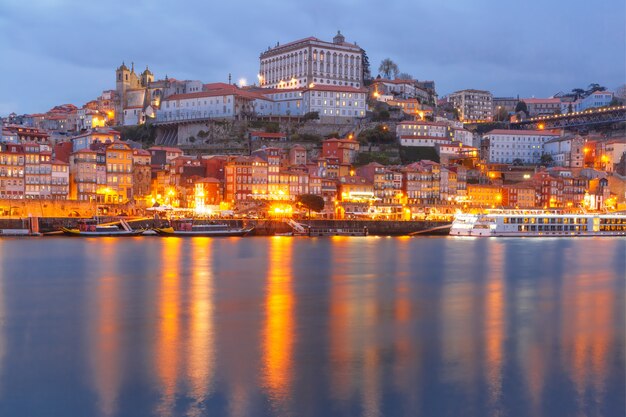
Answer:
(262, 227)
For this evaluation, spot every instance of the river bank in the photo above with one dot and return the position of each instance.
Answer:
(262, 227)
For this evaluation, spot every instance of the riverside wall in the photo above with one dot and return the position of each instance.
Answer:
(261, 227)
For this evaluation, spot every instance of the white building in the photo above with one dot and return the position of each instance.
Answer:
(298, 64)
(398, 89)
(337, 102)
(280, 102)
(596, 99)
(612, 153)
(473, 105)
(542, 106)
(227, 102)
(464, 136)
(422, 128)
(566, 151)
(505, 146)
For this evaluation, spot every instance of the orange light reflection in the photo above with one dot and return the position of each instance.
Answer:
(201, 350)
(279, 324)
(105, 342)
(168, 331)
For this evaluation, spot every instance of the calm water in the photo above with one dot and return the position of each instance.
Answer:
(312, 327)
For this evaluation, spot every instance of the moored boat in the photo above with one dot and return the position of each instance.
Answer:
(90, 228)
(203, 230)
(537, 223)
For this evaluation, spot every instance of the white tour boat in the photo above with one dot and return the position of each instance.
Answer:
(537, 223)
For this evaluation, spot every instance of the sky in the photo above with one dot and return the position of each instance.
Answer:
(66, 51)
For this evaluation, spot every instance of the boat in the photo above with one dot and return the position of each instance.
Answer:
(185, 229)
(327, 231)
(90, 228)
(18, 232)
(538, 223)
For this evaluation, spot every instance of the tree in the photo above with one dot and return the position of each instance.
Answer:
(379, 134)
(501, 114)
(388, 68)
(546, 159)
(365, 62)
(405, 76)
(312, 115)
(311, 202)
(521, 106)
(578, 93)
(593, 87)
(382, 115)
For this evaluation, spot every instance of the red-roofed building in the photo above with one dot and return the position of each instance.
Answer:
(12, 171)
(345, 150)
(27, 134)
(278, 136)
(245, 176)
(142, 173)
(162, 155)
(542, 106)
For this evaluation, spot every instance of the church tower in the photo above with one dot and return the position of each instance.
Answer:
(146, 77)
(339, 38)
(122, 79)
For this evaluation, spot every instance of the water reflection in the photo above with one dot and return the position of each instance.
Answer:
(279, 332)
(3, 320)
(494, 326)
(408, 350)
(393, 327)
(586, 334)
(200, 351)
(168, 333)
(354, 322)
(106, 359)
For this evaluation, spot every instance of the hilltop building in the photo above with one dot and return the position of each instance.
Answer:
(309, 61)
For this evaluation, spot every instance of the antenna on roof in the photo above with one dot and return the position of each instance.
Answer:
(229, 78)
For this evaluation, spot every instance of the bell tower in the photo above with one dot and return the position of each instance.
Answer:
(146, 77)
(122, 79)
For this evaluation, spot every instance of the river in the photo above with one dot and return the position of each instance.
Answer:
(363, 326)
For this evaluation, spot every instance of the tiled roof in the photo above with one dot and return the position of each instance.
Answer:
(338, 88)
(522, 132)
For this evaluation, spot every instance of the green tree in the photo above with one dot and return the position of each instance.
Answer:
(546, 159)
(382, 115)
(501, 114)
(578, 93)
(311, 202)
(379, 134)
(388, 68)
(365, 63)
(405, 76)
(593, 87)
(312, 115)
(521, 106)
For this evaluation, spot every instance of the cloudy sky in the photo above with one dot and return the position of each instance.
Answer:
(66, 51)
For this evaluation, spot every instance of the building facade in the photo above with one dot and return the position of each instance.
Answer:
(506, 146)
(309, 61)
(473, 105)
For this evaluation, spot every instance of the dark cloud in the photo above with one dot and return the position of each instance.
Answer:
(57, 51)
